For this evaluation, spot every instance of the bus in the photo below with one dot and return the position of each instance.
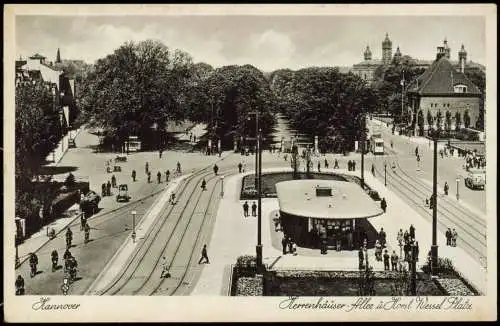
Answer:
(377, 145)
(133, 144)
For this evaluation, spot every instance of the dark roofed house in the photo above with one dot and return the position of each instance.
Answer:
(441, 88)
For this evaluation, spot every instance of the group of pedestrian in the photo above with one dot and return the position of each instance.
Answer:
(287, 242)
(351, 165)
(472, 161)
(106, 189)
(246, 207)
(451, 237)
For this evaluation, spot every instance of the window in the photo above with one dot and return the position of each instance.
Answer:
(460, 89)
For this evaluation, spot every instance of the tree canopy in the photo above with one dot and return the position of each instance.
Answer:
(321, 101)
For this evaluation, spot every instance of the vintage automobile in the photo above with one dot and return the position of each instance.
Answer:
(71, 143)
(90, 203)
(122, 193)
(476, 179)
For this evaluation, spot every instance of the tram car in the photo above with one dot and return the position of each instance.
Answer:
(377, 145)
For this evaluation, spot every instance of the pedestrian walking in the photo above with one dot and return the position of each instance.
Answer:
(416, 151)
(165, 273)
(113, 181)
(178, 167)
(216, 169)
(336, 164)
(349, 165)
(160, 152)
(204, 255)
(454, 236)
(133, 175)
(284, 244)
(373, 169)
(254, 209)
(83, 221)
(386, 260)
(172, 198)
(383, 204)
(108, 188)
(276, 222)
(448, 237)
(103, 190)
(353, 165)
(382, 237)
(319, 167)
(149, 177)
(158, 176)
(167, 175)
(392, 144)
(326, 163)
(240, 166)
(446, 188)
(394, 261)
(203, 184)
(412, 231)
(146, 168)
(290, 245)
(400, 237)
(245, 209)
(294, 248)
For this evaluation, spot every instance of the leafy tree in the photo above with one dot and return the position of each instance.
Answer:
(448, 120)
(478, 77)
(37, 132)
(466, 119)
(420, 122)
(458, 120)
(430, 120)
(439, 120)
(135, 88)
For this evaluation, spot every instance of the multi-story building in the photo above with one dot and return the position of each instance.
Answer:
(366, 69)
(443, 90)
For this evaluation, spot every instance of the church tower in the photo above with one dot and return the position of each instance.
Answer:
(397, 55)
(462, 58)
(386, 50)
(446, 49)
(368, 53)
(58, 57)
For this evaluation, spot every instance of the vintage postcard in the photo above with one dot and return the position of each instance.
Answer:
(250, 163)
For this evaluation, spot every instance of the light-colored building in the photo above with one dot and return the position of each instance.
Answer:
(366, 69)
(441, 88)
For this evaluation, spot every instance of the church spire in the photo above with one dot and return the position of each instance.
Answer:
(58, 57)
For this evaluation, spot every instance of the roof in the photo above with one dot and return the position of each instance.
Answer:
(440, 78)
(374, 62)
(37, 56)
(348, 200)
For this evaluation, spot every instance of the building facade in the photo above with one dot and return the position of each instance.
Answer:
(444, 91)
(366, 69)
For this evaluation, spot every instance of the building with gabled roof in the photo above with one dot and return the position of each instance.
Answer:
(444, 89)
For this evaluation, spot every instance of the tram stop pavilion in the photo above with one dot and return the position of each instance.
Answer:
(313, 212)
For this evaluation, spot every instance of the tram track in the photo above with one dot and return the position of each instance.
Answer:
(121, 279)
(472, 236)
(171, 226)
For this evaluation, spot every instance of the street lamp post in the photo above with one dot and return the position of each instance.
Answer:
(434, 247)
(385, 173)
(413, 284)
(458, 183)
(363, 152)
(133, 225)
(258, 174)
(222, 186)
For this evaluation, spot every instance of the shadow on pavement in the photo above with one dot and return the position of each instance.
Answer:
(52, 170)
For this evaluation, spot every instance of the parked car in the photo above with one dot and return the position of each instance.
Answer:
(476, 179)
(122, 193)
(90, 203)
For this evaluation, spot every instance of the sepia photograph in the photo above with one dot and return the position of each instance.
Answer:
(310, 160)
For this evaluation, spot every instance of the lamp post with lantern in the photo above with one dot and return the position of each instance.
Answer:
(458, 183)
(222, 186)
(134, 213)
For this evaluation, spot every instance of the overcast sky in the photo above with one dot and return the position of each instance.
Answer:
(267, 42)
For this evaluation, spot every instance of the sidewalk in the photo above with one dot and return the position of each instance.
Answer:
(91, 166)
(225, 246)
